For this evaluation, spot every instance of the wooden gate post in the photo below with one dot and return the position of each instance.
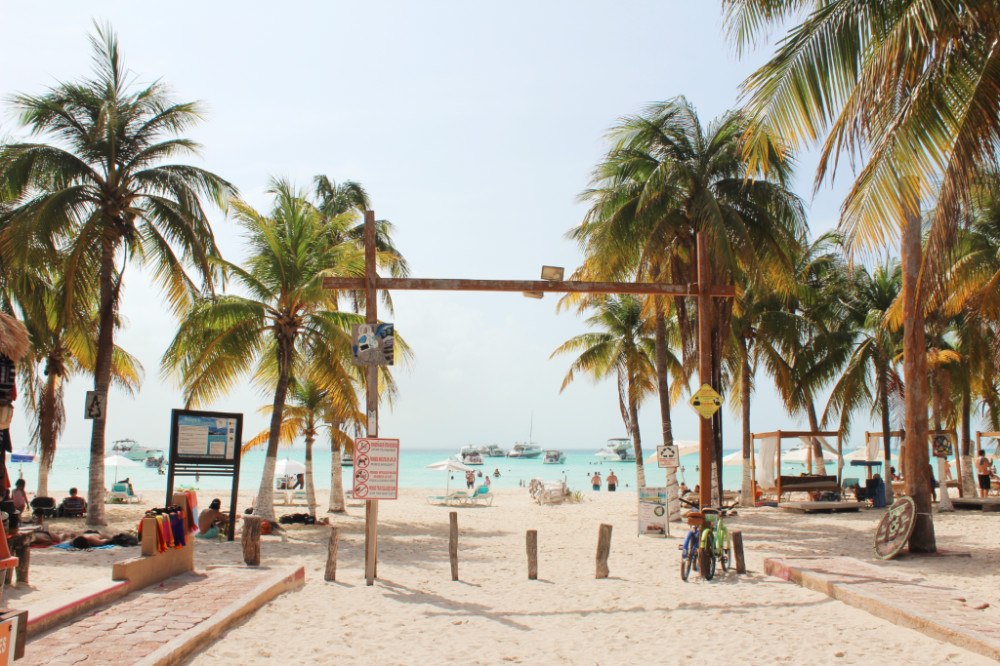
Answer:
(741, 565)
(603, 550)
(532, 546)
(453, 543)
(251, 540)
(331, 555)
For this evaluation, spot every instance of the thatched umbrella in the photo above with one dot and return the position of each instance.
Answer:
(13, 338)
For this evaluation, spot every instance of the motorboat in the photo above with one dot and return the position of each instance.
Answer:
(346, 459)
(155, 458)
(617, 449)
(129, 448)
(492, 451)
(553, 457)
(525, 450)
(470, 456)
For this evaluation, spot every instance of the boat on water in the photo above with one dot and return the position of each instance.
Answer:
(346, 459)
(525, 450)
(130, 449)
(470, 456)
(22, 457)
(492, 451)
(155, 458)
(554, 457)
(617, 449)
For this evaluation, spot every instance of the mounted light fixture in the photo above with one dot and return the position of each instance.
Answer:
(553, 273)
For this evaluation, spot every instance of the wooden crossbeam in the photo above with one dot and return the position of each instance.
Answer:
(561, 286)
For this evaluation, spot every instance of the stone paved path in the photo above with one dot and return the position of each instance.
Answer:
(142, 622)
(944, 613)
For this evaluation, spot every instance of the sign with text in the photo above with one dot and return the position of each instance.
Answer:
(376, 468)
(653, 511)
(208, 437)
(666, 456)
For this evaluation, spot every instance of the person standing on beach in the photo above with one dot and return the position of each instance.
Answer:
(984, 469)
(595, 481)
(612, 482)
(470, 479)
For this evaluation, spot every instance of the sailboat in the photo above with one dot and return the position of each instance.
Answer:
(526, 449)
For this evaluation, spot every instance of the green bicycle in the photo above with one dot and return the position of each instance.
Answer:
(707, 542)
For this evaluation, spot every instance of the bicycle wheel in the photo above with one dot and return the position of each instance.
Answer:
(706, 556)
(724, 559)
(687, 563)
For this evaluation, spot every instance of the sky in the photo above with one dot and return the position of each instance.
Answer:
(473, 126)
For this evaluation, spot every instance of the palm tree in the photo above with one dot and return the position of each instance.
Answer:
(908, 87)
(287, 316)
(63, 344)
(623, 348)
(869, 377)
(667, 178)
(101, 189)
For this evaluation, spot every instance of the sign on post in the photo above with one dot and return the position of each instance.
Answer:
(373, 344)
(376, 469)
(653, 511)
(706, 401)
(94, 405)
(667, 457)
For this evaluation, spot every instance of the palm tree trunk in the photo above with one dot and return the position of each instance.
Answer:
(336, 478)
(916, 467)
(663, 389)
(746, 488)
(968, 481)
(47, 432)
(818, 464)
(633, 416)
(883, 398)
(310, 486)
(265, 495)
(102, 381)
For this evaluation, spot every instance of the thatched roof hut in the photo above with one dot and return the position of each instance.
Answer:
(13, 338)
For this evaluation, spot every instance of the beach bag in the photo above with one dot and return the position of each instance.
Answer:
(6, 416)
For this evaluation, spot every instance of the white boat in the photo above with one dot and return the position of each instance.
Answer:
(522, 450)
(470, 456)
(553, 457)
(130, 449)
(618, 449)
(492, 451)
(155, 458)
(346, 459)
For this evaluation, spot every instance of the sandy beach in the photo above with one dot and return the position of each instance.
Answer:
(415, 614)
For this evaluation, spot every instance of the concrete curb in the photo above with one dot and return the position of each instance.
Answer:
(893, 608)
(283, 579)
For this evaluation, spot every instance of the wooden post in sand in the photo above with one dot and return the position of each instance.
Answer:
(603, 550)
(741, 565)
(453, 543)
(532, 545)
(331, 555)
(251, 540)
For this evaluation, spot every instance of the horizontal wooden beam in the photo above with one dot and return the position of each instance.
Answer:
(562, 286)
(789, 434)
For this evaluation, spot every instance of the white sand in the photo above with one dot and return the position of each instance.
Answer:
(415, 614)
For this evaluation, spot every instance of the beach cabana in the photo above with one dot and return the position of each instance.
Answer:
(766, 465)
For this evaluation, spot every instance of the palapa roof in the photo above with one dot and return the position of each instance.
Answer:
(13, 338)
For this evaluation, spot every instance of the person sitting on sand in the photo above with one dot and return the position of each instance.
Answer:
(684, 490)
(893, 475)
(72, 505)
(612, 482)
(19, 496)
(595, 481)
(210, 519)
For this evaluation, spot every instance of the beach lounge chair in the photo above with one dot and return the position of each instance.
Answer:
(456, 498)
(120, 493)
(482, 496)
(299, 497)
(42, 508)
(72, 507)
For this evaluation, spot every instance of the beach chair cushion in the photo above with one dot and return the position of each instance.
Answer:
(482, 494)
(73, 507)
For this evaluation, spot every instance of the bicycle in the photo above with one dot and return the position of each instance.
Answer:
(706, 542)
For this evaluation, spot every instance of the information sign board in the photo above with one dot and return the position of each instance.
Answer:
(653, 511)
(376, 469)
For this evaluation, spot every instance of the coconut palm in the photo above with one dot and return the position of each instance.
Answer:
(622, 347)
(63, 344)
(869, 378)
(667, 178)
(104, 190)
(286, 316)
(910, 89)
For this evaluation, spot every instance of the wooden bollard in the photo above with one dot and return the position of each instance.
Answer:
(603, 550)
(532, 545)
(331, 555)
(741, 565)
(453, 543)
(251, 540)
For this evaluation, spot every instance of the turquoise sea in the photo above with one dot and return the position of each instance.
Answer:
(71, 465)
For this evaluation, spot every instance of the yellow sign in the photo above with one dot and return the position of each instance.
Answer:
(706, 401)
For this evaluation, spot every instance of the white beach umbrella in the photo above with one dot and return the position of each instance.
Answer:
(796, 456)
(117, 461)
(450, 466)
(734, 459)
(287, 466)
